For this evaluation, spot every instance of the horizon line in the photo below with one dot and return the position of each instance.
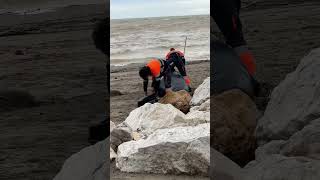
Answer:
(158, 16)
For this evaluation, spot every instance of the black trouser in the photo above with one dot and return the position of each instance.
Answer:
(174, 61)
(226, 15)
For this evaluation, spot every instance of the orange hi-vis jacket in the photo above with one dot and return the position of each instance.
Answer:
(156, 66)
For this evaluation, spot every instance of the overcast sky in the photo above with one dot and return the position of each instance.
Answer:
(120, 9)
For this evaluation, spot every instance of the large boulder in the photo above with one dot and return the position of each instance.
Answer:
(289, 132)
(303, 143)
(178, 150)
(201, 94)
(150, 117)
(294, 103)
(198, 116)
(179, 100)
(276, 167)
(233, 125)
(222, 168)
(91, 163)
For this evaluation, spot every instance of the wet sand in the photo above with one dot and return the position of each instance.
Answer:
(126, 80)
(280, 34)
(61, 68)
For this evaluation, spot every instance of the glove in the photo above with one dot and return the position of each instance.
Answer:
(187, 80)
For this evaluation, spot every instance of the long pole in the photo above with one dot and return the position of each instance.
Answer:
(185, 44)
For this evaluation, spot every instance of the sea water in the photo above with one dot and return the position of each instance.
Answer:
(137, 40)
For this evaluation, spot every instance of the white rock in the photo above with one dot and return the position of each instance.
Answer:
(198, 117)
(88, 164)
(294, 103)
(277, 167)
(151, 117)
(175, 150)
(201, 94)
(205, 106)
(194, 108)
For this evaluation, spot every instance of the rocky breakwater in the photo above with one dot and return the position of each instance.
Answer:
(167, 141)
(288, 134)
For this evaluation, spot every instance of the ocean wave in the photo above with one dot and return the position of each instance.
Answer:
(134, 40)
(123, 51)
(195, 53)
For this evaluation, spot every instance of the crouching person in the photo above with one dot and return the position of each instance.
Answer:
(164, 78)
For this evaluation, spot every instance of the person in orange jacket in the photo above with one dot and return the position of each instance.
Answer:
(181, 54)
(226, 15)
(172, 54)
(160, 68)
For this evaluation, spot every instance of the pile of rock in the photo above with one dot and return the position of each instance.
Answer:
(165, 140)
(288, 134)
(159, 138)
